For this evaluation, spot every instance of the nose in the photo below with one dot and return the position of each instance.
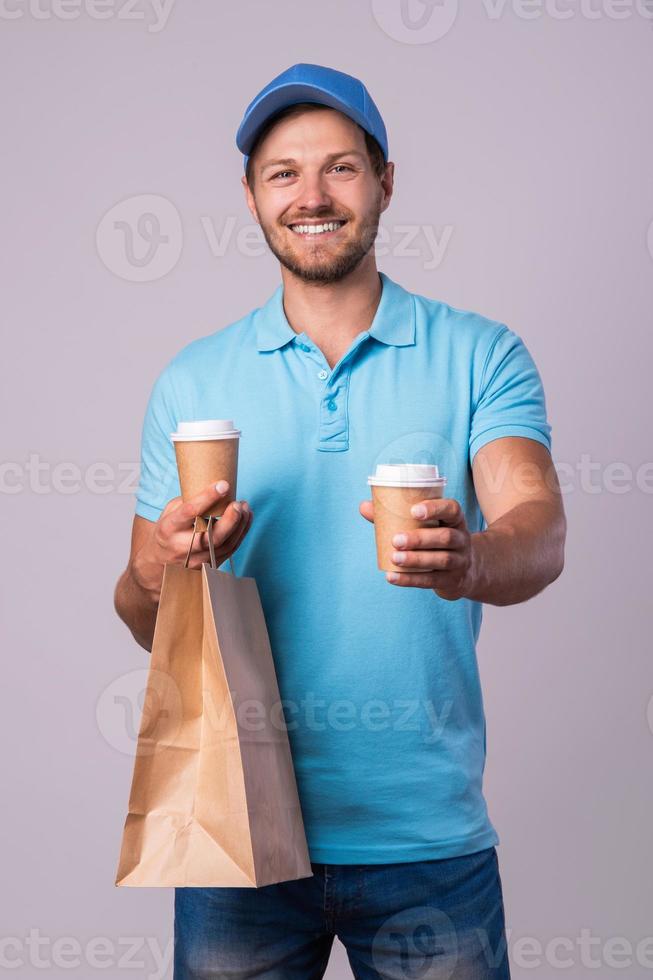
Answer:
(313, 194)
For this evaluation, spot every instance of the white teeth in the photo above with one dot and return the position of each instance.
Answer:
(317, 229)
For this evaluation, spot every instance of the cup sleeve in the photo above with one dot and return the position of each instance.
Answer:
(158, 478)
(510, 399)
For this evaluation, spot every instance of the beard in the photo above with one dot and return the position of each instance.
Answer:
(329, 261)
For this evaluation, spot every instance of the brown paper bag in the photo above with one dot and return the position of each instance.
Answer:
(214, 799)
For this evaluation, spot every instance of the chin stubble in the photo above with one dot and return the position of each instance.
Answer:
(332, 269)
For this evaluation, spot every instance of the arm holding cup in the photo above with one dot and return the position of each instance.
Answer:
(137, 592)
(519, 553)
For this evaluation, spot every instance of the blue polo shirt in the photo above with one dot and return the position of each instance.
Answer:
(380, 684)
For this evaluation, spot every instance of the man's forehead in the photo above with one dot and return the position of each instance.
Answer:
(304, 135)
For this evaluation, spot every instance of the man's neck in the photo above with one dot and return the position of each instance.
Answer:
(333, 315)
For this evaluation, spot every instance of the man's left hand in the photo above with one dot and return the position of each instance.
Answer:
(438, 558)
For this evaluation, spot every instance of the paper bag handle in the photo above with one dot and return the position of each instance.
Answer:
(200, 525)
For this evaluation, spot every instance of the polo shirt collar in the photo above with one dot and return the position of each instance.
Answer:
(393, 323)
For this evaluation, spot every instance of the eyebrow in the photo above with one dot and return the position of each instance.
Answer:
(289, 162)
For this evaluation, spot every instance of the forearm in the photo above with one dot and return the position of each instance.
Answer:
(518, 555)
(137, 607)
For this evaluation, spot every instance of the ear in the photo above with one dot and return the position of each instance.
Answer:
(249, 199)
(387, 183)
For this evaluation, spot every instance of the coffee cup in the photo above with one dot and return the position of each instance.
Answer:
(396, 487)
(207, 452)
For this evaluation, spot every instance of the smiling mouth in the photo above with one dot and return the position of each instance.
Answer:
(315, 230)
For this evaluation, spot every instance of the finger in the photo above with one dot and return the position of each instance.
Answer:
(171, 505)
(199, 542)
(231, 517)
(429, 561)
(204, 558)
(228, 544)
(444, 509)
(414, 580)
(233, 543)
(226, 550)
(366, 508)
(200, 558)
(431, 538)
(228, 523)
(445, 584)
(245, 525)
(183, 517)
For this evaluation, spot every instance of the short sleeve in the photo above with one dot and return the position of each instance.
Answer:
(158, 481)
(511, 398)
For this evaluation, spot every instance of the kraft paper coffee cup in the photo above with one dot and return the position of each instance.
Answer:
(207, 452)
(395, 489)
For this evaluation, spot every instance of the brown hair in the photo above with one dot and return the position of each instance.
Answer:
(374, 151)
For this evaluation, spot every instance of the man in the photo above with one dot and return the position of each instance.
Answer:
(343, 368)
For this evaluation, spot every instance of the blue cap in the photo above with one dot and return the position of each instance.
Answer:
(311, 83)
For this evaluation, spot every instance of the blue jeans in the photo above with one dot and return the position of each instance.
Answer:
(436, 920)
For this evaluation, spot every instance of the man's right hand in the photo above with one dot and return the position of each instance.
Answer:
(170, 537)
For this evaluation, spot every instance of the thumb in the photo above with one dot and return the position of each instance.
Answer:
(366, 508)
(171, 505)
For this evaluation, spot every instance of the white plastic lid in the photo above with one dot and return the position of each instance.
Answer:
(205, 429)
(406, 475)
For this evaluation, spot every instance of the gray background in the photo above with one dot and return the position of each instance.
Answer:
(522, 140)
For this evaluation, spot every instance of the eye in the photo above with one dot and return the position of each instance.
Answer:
(345, 165)
(281, 174)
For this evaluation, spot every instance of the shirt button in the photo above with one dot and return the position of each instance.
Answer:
(322, 374)
(305, 347)
(331, 406)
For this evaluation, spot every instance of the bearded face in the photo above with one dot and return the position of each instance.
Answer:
(316, 196)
